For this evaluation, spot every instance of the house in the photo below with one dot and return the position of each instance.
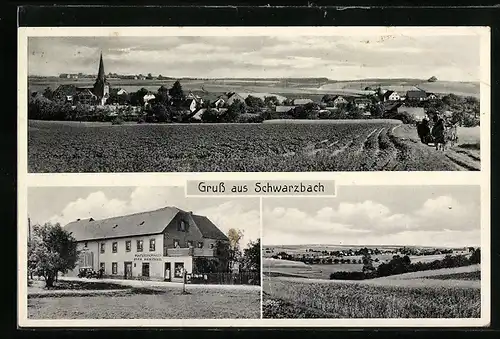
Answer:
(339, 100)
(191, 95)
(301, 102)
(119, 91)
(416, 95)
(148, 97)
(431, 96)
(65, 93)
(417, 113)
(85, 96)
(391, 96)
(232, 97)
(362, 103)
(152, 245)
(221, 100)
(391, 107)
(284, 109)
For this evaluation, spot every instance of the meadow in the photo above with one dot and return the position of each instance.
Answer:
(160, 302)
(300, 146)
(450, 294)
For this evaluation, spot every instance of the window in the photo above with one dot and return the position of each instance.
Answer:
(212, 246)
(128, 245)
(102, 266)
(178, 269)
(176, 243)
(152, 245)
(115, 247)
(182, 226)
(103, 247)
(139, 245)
(114, 268)
(86, 243)
(190, 243)
(200, 244)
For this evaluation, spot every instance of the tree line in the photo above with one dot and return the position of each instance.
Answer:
(402, 264)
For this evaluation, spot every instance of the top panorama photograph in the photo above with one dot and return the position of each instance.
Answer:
(253, 103)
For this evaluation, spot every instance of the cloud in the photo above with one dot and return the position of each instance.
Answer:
(232, 214)
(438, 220)
(335, 57)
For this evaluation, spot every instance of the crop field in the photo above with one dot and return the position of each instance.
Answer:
(438, 296)
(362, 145)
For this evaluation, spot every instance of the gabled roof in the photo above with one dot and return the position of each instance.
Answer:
(302, 101)
(415, 94)
(339, 97)
(388, 93)
(152, 222)
(66, 90)
(207, 228)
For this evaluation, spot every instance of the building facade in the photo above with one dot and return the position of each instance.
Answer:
(154, 245)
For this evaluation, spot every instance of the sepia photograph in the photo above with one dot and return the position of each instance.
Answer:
(141, 253)
(268, 102)
(374, 252)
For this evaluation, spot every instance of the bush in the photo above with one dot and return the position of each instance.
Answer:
(117, 121)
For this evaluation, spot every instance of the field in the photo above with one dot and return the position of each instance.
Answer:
(353, 145)
(305, 87)
(286, 268)
(150, 303)
(454, 293)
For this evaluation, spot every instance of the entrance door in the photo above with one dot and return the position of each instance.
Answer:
(128, 270)
(168, 272)
(145, 269)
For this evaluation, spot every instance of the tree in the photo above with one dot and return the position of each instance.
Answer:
(223, 255)
(271, 101)
(234, 236)
(254, 102)
(48, 93)
(234, 110)
(51, 250)
(475, 258)
(367, 262)
(176, 93)
(251, 256)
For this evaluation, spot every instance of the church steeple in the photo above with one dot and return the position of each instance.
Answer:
(100, 73)
(101, 86)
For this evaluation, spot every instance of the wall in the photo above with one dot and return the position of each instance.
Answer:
(192, 233)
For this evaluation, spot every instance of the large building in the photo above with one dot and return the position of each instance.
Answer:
(156, 245)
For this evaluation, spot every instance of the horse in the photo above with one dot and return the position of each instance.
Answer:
(451, 135)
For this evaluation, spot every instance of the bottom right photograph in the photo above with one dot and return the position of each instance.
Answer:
(374, 252)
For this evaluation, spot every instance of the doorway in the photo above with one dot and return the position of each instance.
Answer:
(128, 270)
(145, 269)
(168, 272)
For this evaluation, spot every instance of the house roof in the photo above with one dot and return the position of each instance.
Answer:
(415, 94)
(208, 229)
(302, 101)
(151, 222)
(362, 100)
(388, 93)
(66, 90)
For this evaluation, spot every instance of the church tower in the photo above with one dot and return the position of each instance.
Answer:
(101, 85)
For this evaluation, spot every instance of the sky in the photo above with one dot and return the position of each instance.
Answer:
(452, 58)
(440, 216)
(66, 204)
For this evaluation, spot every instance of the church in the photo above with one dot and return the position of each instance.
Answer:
(97, 94)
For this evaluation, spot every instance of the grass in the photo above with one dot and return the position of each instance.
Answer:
(274, 147)
(142, 303)
(360, 300)
(459, 276)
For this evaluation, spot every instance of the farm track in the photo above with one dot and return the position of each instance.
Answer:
(374, 146)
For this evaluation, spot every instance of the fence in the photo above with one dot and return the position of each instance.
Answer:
(242, 278)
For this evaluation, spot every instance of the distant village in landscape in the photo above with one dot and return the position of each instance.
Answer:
(104, 102)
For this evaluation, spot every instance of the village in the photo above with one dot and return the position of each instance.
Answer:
(103, 102)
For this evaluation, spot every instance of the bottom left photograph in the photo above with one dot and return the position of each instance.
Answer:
(141, 253)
